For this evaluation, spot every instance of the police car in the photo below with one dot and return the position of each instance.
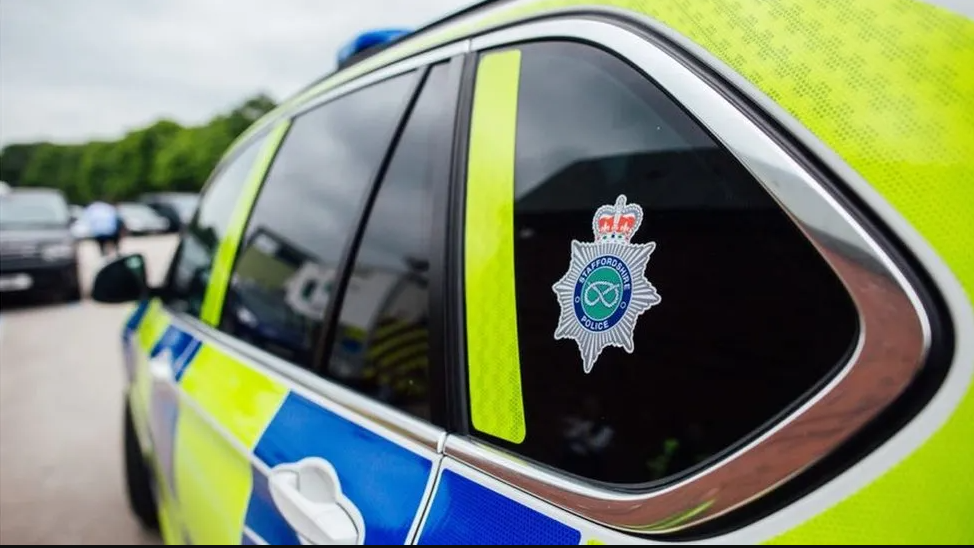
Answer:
(579, 273)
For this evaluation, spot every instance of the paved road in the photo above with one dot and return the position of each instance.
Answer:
(61, 416)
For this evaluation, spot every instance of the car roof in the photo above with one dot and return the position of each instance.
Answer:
(345, 68)
(493, 14)
(371, 52)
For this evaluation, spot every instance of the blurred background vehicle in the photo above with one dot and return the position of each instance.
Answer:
(79, 228)
(76, 212)
(176, 207)
(37, 251)
(140, 219)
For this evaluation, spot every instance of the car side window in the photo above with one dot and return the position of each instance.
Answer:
(304, 215)
(649, 340)
(381, 347)
(189, 272)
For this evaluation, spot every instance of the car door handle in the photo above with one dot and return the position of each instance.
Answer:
(309, 496)
(160, 367)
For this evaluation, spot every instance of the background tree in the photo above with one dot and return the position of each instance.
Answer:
(14, 160)
(163, 156)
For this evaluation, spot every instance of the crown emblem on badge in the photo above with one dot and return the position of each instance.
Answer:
(617, 222)
(605, 289)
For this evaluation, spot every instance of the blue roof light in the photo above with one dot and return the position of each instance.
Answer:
(367, 40)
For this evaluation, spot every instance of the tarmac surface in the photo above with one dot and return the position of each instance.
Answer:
(61, 381)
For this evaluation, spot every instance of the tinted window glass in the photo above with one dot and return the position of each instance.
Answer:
(190, 271)
(306, 210)
(750, 316)
(381, 348)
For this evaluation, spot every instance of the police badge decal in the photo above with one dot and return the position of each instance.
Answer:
(605, 289)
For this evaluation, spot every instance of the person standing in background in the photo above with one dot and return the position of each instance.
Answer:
(105, 225)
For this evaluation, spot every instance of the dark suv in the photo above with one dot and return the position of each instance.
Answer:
(37, 251)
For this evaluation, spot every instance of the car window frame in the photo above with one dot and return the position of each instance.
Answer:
(440, 379)
(325, 336)
(165, 289)
(641, 44)
(366, 411)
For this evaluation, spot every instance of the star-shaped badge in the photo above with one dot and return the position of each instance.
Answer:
(605, 289)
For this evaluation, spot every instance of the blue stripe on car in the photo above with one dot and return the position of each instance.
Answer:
(263, 517)
(384, 480)
(176, 341)
(465, 512)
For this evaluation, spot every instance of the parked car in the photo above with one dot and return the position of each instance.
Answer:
(579, 273)
(140, 219)
(38, 255)
(177, 207)
(80, 229)
(79, 226)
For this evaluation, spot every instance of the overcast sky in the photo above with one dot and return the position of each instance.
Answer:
(74, 70)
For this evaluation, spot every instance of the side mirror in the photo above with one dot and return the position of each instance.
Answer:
(121, 280)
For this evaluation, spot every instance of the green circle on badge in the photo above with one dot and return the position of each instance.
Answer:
(602, 293)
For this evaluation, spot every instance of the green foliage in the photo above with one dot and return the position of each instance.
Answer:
(14, 160)
(164, 156)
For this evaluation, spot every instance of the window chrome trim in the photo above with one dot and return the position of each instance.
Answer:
(894, 327)
(443, 53)
(355, 407)
(360, 409)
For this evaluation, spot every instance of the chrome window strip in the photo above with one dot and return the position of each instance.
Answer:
(360, 409)
(443, 53)
(894, 328)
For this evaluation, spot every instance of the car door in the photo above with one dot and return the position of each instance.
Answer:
(275, 426)
(159, 346)
(668, 321)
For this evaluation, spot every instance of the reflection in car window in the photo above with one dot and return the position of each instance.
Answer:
(305, 213)
(381, 347)
(750, 316)
(193, 261)
(184, 204)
